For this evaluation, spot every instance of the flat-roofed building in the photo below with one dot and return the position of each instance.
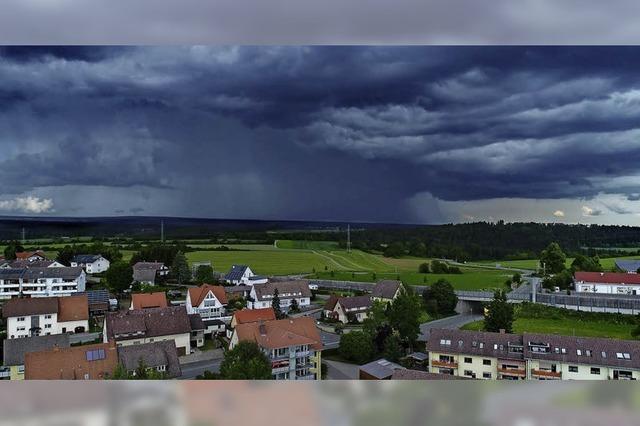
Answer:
(607, 282)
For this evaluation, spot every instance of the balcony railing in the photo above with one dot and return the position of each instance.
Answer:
(546, 374)
(444, 364)
(279, 370)
(513, 371)
(307, 377)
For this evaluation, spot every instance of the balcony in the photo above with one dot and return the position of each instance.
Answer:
(520, 372)
(279, 370)
(546, 374)
(307, 377)
(444, 364)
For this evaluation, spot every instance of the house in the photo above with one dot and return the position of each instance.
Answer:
(330, 305)
(41, 282)
(237, 292)
(159, 356)
(148, 272)
(242, 274)
(607, 282)
(91, 263)
(99, 301)
(294, 346)
(148, 300)
(15, 349)
(89, 362)
(386, 290)
(134, 327)
(349, 309)
(210, 302)
(46, 315)
(17, 264)
(380, 369)
(246, 316)
(261, 295)
(477, 354)
(31, 256)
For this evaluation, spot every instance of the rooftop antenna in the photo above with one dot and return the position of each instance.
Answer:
(162, 231)
(348, 238)
(24, 236)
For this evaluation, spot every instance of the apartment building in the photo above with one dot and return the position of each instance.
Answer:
(484, 355)
(46, 316)
(261, 295)
(41, 282)
(294, 346)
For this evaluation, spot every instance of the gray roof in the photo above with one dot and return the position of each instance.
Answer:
(356, 302)
(144, 275)
(133, 324)
(236, 272)
(153, 355)
(19, 307)
(97, 296)
(297, 288)
(594, 351)
(196, 322)
(381, 369)
(14, 349)
(155, 266)
(386, 289)
(40, 272)
(33, 264)
(85, 258)
(418, 356)
(628, 265)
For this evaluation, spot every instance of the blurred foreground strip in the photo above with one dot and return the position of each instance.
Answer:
(201, 403)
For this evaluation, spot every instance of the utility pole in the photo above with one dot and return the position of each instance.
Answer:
(348, 238)
(24, 236)
(162, 231)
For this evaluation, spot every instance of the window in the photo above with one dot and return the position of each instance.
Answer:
(445, 342)
(20, 318)
(474, 344)
(587, 352)
(468, 360)
(486, 362)
(573, 369)
(95, 355)
(162, 368)
(481, 345)
(595, 370)
(460, 343)
(578, 352)
(604, 354)
(623, 355)
(47, 326)
(557, 350)
(486, 375)
(495, 346)
(469, 373)
(564, 351)
(48, 316)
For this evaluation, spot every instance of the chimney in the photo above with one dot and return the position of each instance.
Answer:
(503, 331)
(262, 328)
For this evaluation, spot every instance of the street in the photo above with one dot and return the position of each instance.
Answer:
(193, 369)
(453, 322)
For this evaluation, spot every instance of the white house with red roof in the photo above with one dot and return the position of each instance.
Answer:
(607, 282)
(210, 302)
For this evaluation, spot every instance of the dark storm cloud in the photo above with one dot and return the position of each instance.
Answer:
(323, 132)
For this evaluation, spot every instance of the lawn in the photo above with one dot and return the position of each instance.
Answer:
(568, 327)
(470, 279)
(307, 245)
(608, 263)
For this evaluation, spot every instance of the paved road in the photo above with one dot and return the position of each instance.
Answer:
(453, 322)
(329, 340)
(193, 369)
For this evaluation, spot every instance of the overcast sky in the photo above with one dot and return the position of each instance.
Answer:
(391, 134)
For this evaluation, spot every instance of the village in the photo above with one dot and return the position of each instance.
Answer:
(248, 326)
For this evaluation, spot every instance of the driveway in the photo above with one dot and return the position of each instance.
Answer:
(329, 340)
(453, 322)
(193, 369)
(200, 355)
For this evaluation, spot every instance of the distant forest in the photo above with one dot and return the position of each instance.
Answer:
(469, 241)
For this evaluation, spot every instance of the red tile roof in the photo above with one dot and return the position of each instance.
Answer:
(71, 363)
(607, 277)
(149, 300)
(73, 308)
(281, 333)
(197, 294)
(27, 254)
(254, 315)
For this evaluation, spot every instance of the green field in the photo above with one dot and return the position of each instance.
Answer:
(566, 327)
(307, 245)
